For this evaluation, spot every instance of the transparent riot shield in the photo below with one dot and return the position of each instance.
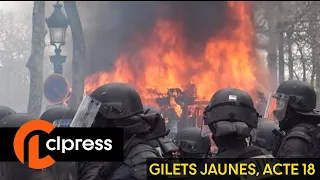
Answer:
(86, 113)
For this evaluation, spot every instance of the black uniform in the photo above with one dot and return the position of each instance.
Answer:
(157, 137)
(266, 138)
(117, 105)
(231, 117)
(191, 144)
(298, 119)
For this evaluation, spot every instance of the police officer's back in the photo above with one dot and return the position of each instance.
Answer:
(266, 138)
(231, 117)
(117, 105)
(295, 103)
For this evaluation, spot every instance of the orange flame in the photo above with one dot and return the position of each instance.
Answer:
(228, 61)
(175, 106)
(269, 111)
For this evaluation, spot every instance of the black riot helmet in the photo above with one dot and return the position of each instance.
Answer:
(292, 96)
(119, 101)
(191, 144)
(5, 111)
(303, 96)
(230, 111)
(112, 105)
(265, 136)
(16, 120)
(55, 113)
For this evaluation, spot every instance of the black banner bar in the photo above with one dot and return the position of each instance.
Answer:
(68, 144)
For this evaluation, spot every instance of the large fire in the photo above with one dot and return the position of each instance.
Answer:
(228, 60)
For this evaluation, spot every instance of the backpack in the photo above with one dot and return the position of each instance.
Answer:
(108, 168)
(308, 132)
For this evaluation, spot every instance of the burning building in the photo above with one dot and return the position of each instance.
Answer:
(178, 63)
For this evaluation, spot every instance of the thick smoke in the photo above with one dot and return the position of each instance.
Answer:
(114, 24)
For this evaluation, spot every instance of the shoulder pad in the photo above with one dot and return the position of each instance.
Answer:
(299, 134)
(139, 154)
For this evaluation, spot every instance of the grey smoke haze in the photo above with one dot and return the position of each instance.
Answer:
(108, 27)
(111, 25)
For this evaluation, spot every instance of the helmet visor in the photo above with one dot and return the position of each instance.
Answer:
(86, 113)
(277, 107)
(205, 130)
(62, 122)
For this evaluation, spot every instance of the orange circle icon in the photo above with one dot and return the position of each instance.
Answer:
(34, 162)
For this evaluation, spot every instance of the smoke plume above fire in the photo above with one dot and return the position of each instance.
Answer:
(164, 45)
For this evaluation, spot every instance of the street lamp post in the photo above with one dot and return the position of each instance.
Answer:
(57, 24)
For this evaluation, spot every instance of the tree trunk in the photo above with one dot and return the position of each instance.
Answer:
(281, 57)
(303, 60)
(272, 44)
(316, 65)
(78, 53)
(35, 62)
(290, 58)
(314, 51)
(313, 73)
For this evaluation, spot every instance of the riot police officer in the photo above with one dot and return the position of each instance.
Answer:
(117, 105)
(293, 105)
(158, 132)
(5, 111)
(265, 134)
(232, 119)
(191, 144)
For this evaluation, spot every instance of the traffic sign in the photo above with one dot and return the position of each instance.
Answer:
(56, 89)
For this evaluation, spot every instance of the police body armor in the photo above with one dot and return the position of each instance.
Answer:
(136, 151)
(307, 132)
(266, 138)
(117, 105)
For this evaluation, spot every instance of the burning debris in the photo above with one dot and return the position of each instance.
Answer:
(167, 74)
